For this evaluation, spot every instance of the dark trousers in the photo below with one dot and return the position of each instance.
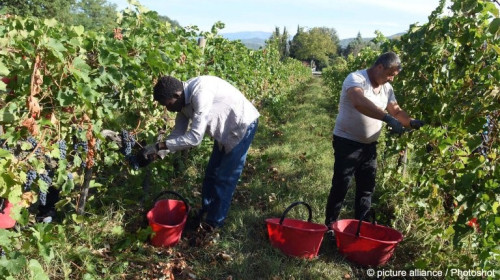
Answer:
(352, 159)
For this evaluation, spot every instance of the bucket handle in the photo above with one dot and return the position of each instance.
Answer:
(374, 222)
(176, 194)
(3, 205)
(293, 205)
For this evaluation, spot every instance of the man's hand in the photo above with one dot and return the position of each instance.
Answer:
(416, 124)
(396, 126)
(150, 151)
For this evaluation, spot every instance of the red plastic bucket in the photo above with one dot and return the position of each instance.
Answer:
(167, 220)
(296, 237)
(365, 243)
(5, 220)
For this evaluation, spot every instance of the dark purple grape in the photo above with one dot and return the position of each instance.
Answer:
(30, 178)
(42, 196)
(62, 149)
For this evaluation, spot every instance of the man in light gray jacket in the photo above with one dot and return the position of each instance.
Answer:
(209, 105)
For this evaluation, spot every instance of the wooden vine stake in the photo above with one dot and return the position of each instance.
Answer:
(87, 177)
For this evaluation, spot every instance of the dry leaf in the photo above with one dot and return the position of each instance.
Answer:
(27, 199)
(33, 107)
(272, 197)
(31, 125)
(225, 257)
(53, 119)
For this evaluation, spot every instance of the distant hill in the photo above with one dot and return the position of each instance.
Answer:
(251, 39)
(247, 35)
(257, 39)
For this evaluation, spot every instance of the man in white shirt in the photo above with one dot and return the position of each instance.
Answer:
(366, 94)
(209, 105)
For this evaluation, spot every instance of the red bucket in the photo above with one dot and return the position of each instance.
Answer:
(365, 243)
(6, 220)
(296, 237)
(167, 219)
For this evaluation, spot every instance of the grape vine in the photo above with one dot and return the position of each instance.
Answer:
(450, 79)
(67, 85)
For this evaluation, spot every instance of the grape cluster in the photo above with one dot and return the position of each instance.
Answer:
(34, 143)
(62, 149)
(46, 178)
(43, 195)
(30, 178)
(85, 148)
(485, 135)
(128, 142)
(82, 144)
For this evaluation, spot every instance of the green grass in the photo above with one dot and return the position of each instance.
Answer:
(291, 159)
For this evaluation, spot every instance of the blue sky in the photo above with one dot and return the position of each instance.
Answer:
(347, 17)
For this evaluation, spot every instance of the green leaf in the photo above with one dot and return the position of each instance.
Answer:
(494, 25)
(42, 185)
(36, 271)
(20, 214)
(497, 49)
(494, 207)
(68, 186)
(13, 265)
(77, 218)
(7, 118)
(4, 71)
(57, 48)
(6, 236)
(50, 22)
(5, 154)
(94, 184)
(66, 97)
(78, 30)
(80, 69)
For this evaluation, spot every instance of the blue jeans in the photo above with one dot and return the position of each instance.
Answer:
(221, 176)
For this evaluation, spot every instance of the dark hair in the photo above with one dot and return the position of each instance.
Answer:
(166, 87)
(389, 60)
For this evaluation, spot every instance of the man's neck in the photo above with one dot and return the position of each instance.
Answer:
(371, 75)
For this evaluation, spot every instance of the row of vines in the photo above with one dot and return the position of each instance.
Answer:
(63, 86)
(447, 196)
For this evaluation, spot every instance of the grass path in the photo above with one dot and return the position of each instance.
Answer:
(290, 160)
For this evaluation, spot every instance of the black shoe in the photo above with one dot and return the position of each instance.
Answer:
(331, 234)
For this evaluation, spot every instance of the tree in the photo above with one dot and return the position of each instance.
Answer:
(281, 40)
(172, 22)
(356, 45)
(319, 44)
(58, 9)
(94, 14)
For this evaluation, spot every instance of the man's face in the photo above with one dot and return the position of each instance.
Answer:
(387, 74)
(175, 103)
